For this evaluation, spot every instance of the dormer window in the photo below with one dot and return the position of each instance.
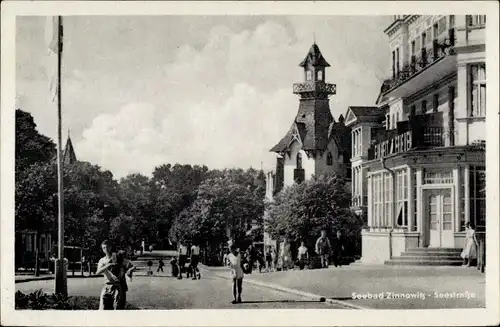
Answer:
(308, 75)
(320, 75)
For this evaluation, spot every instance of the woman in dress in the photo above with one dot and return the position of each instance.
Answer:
(470, 250)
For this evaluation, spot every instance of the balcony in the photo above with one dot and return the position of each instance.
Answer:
(420, 132)
(313, 88)
(417, 74)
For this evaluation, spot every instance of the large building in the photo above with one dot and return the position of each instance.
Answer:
(418, 154)
(315, 144)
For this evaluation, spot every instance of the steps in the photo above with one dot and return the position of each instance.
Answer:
(428, 257)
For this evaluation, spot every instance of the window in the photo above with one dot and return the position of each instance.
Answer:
(452, 21)
(402, 198)
(299, 160)
(424, 106)
(477, 73)
(477, 195)
(412, 48)
(320, 75)
(378, 202)
(393, 64)
(415, 207)
(424, 40)
(397, 60)
(417, 42)
(329, 159)
(413, 110)
(308, 75)
(435, 30)
(436, 176)
(387, 199)
(442, 25)
(388, 121)
(475, 20)
(435, 102)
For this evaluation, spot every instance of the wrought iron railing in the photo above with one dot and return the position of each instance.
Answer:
(421, 137)
(316, 87)
(440, 49)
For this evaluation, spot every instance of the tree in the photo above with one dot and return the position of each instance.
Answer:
(31, 146)
(32, 152)
(223, 209)
(173, 188)
(301, 211)
(136, 203)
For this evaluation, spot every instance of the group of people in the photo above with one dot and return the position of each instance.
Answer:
(272, 261)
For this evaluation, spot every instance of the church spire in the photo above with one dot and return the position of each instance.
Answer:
(69, 156)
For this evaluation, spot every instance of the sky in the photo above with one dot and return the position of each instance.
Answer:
(142, 91)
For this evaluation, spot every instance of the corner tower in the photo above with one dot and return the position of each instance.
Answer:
(311, 146)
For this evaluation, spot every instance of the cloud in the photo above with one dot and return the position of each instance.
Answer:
(223, 102)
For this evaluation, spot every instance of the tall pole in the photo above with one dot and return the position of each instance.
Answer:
(61, 282)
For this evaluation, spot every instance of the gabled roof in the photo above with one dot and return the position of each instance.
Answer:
(314, 57)
(357, 114)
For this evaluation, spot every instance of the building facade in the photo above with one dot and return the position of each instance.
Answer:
(315, 144)
(418, 161)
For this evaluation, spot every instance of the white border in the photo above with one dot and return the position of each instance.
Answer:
(442, 317)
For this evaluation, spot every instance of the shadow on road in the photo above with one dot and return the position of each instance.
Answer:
(346, 298)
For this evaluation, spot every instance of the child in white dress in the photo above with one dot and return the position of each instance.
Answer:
(234, 262)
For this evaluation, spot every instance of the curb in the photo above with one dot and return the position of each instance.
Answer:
(34, 279)
(293, 291)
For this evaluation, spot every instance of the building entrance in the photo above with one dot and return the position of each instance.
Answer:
(439, 217)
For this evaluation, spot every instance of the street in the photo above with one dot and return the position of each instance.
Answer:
(165, 292)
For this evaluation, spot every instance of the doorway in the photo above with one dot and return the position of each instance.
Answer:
(439, 217)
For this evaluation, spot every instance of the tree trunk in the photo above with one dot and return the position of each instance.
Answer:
(37, 259)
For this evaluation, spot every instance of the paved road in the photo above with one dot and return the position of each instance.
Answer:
(164, 292)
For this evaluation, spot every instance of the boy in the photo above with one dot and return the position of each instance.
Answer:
(195, 258)
(234, 259)
(323, 248)
(302, 255)
(182, 259)
(116, 270)
(160, 265)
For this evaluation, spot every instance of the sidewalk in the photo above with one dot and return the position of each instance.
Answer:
(421, 287)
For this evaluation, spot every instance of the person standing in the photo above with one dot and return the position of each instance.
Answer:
(269, 259)
(182, 259)
(469, 252)
(160, 265)
(115, 271)
(302, 255)
(234, 260)
(195, 258)
(323, 248)
(338, 249)
(285, 255)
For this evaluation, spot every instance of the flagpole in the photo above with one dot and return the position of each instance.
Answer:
(61, 286)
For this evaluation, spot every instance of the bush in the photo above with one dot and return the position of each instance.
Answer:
(39, 300)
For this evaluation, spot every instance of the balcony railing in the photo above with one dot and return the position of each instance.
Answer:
(315, 87)
(418, 137)
(440, 49)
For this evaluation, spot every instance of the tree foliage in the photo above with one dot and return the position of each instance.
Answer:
(301, 211)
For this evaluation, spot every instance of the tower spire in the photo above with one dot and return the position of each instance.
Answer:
(314, 37)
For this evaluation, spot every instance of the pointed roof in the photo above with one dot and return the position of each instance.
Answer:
(357, 114)
(314, 57)
(69, 156)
